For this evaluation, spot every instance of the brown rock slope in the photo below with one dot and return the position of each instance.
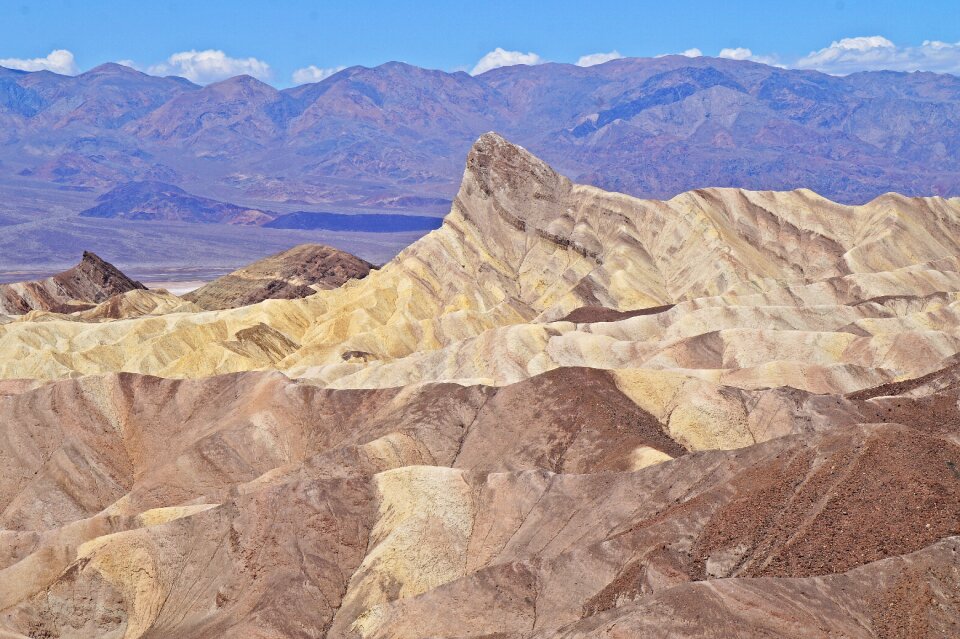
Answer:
(566, 413)
(297, 272)
(252, 505)
(88, 283)
(909, 596)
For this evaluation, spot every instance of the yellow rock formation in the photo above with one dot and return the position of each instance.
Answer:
(771, 289)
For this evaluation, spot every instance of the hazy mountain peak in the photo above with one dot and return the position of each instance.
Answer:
(112, 68)
(241, 82)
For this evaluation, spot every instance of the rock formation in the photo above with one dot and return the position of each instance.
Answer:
(88, 283)
(137, 303)
(565, 413)
(297, 272)
(769, 289)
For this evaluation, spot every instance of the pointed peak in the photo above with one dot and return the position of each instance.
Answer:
(491, 140)
(114, 68)
(93, 263)
(496, 163)
(241, 83)
(503, 181)
(95, 268)
(241, 79)
(93, 258)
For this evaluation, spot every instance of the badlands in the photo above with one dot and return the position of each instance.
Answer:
(565, 413)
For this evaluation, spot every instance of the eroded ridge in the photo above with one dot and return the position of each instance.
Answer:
(565, 413)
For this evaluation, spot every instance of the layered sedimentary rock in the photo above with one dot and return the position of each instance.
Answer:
(137, 303)
(88, 283)
(294, 273)
(565, 413)
(768, 289)
(255, 505)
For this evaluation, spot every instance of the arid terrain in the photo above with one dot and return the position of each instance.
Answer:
(567, 412)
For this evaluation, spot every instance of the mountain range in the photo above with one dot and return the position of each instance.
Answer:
(392, 137)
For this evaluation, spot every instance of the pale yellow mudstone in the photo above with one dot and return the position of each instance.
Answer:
(771, 289)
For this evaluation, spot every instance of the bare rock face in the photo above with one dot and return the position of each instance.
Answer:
(565, 413)
(88, 283)
(297, 272)
(909, 596)
(191, 506)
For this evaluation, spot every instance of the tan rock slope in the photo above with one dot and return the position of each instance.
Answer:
(137, 303)
(297, 272)
(770, 289)
(88, 283)
(565, 413)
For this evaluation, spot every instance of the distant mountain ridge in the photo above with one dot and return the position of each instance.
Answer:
(393, 136)
(153, 201)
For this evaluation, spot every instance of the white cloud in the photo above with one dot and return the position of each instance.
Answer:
(314, 73)
(58, 61)
(689, 53)
(598, 58)
(872, 53)
(742, 53)
(501, 58)
(211, 65)
(739, 53)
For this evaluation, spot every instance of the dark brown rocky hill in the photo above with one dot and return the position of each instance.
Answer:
(298, 272)
(88, 283)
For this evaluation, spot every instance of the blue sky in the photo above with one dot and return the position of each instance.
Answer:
(275, 39)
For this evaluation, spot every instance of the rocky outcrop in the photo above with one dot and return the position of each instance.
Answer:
(88, 283)
(909, 596)
(297, 272)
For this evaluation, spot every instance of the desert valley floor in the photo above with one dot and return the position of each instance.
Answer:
(565, 413)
